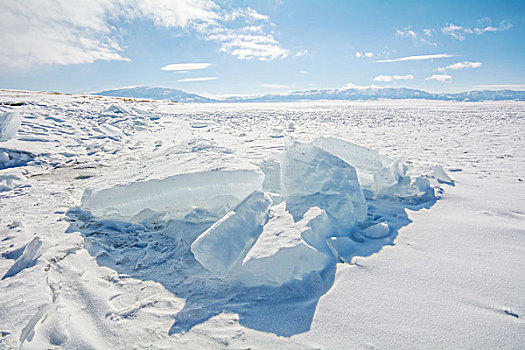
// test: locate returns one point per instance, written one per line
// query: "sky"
(235, 47)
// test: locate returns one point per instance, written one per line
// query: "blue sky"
(261, 46)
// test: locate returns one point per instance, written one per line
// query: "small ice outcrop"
(391, 175)
(312, 177)
(215, 191)
(116, 110)
(393, 181)
(13, 158)
(199, 124)
(276, 133)
(227, 241)
(110, 130)
(10, 122)
(28, 258)
(11, 179)
(441, 176)
(380, 230)
(287, 250)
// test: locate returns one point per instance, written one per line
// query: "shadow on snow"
(160, 252)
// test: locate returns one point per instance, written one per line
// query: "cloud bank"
(460, 33)
(390, 78)
(460, 65)
(66, 32)
(439, 77)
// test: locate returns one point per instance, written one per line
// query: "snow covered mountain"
(384, 93)
(155, 93)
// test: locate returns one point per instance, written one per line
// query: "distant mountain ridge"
(155, 93)
(385, 93)
(328, 94)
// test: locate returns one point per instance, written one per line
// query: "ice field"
(335, 225)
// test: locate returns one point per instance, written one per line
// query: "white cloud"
(246, 13)
(350, 86)
(240, 42)
(184, 67)
(197, 79)
(367, 54)
(247, 47)
(71, 32)
(520, 87)
(419, 58)
(460, 65)
(454, 31)
(56, 32)
(275, 86)
(439, 77)
(459, 32)
(303, 71)
(390, 78)
(253, 29)
(409, 33)
(172, 14)
(301, 53)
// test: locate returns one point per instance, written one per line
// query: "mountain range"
(372, 93)
(155, 93)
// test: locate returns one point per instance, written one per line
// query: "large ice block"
(215, 191)
(312, 177)
(227, 242)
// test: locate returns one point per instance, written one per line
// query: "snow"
(9, 124)
(448, 273)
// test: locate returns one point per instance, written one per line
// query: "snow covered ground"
(100, 210)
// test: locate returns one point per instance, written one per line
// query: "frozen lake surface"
(97, 253)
